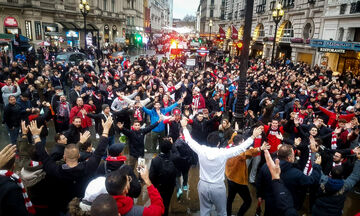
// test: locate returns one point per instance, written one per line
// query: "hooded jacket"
(125, 204)
(332, 193)
(154, 117)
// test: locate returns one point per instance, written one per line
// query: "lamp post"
(210, 25)
(277, 14)
(85, 9)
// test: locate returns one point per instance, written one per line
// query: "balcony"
(47, 4)
(285, 40)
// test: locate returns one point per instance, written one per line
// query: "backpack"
(168, 172)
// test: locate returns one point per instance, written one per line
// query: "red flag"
(222, 33)
(234, 35)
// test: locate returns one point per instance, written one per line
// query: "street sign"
(202, 51)
(190, 62)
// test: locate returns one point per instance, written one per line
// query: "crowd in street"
(299, 137)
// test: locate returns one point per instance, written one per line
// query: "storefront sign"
(38, 33)
(10, 22)
(330, 50)
(28, 30)
(335, 44)
(13, 31)
(72, 34)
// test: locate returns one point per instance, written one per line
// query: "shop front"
(72, 38)
(52, 34)
(257, 50)
(11, 26)
(340, 56)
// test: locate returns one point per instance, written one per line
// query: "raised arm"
(196, 147)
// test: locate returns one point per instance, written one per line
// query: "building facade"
(160, 15)
(61, 23)
(213, 10)
(339, 44)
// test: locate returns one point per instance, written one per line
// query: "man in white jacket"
(212, 160)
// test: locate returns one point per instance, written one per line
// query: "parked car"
(71, 58)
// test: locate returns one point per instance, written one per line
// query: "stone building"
(60, 22)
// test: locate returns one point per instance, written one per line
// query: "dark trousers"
(244, 193)
(166, 194)
(14, 133)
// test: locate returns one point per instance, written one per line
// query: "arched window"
(288, 30)
(308, 31)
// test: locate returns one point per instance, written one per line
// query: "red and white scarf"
(308, 167)
(138, 115)
(35, 163)
(333, 140)
(29, 206)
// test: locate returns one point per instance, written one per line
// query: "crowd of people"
(303, 118)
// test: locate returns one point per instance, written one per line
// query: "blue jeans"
(14, 133)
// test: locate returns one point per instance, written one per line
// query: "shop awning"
(69, 25)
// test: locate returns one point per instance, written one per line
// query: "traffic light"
(138, 38)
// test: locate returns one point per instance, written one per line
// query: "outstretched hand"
(184, 122)
(7, 154)
(273, 167)
(120, 125)
(24, 128)
(107, 125)
(84, 136)
(34, 129)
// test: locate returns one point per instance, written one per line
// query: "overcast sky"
(184, 7)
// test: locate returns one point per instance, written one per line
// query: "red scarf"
(116, 159)
(29, 206)
(120, 99)
(33, 117)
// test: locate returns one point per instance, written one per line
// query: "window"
(271, 29)
(308, 31)
(288, 30)
(105, 4)
(261, 31)
(343, 8)
(128, 20)
(341, 34)
(132, 4)
(211, 13)
(28, 30)
(212, 2)
(132, 20)
(113, 5)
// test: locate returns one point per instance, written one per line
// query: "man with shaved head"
(71, 178)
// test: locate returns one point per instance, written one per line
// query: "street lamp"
(210, 25)
(277, 14)
(85, 9)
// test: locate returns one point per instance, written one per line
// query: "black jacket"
(57, 152)
(12, 115)
(162, 172)
(73, 96)
(200, 130)
(136, 139)
(283, 199)
(71, 182)
(11, 198)
(73, 134)
(293, 178)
